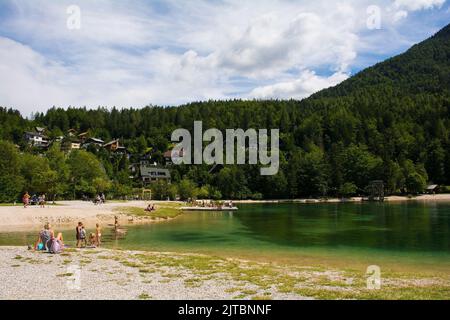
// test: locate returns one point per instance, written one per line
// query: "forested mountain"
(390, 122)
(424, 68)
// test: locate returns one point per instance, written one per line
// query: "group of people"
(95, 238)
(99, 199)
(150, 208)
(40, 200)
(51, 242)
(212, 204)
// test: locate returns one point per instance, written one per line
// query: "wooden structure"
(146, 194)
(376, 190)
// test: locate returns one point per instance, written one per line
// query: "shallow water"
(413, 232)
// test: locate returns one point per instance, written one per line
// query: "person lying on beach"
(46, 238)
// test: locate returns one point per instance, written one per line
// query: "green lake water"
(414, 232)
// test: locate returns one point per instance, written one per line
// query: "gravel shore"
(107, 274)
(130, 275)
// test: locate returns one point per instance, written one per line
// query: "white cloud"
(306, 84)
(400, 15)
(141, 53)
(414, 5)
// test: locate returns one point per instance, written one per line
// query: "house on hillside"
(112, 145)
(168, 156)
(37, 138)
(151, 173)
(115, 147)
(69, 144)
(83, 136)
(40, 130)
(71, 132)
(95, 142)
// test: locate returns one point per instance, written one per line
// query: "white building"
(37, 139)
(151, 173)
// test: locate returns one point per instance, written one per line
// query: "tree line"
(390, 122)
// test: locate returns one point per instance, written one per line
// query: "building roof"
(154, 171)
(432, 186)
(168, 154)
(96, 140)
(36, 134)
(111, 143)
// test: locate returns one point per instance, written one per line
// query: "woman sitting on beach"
(47, 240)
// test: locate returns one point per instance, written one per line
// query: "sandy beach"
(68, 213)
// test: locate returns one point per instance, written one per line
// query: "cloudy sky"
(168, 52)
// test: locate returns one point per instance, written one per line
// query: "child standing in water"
(83, 236)
(98, 234)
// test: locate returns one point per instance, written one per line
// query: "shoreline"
(68, 213)
(426, 197)
(78, 274)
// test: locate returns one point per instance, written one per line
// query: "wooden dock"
(209, 209)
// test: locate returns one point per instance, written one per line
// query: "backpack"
(45, 238)
(83, 234)
(55, 247)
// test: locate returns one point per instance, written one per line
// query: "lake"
(404, 232)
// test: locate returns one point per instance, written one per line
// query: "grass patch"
(163, 211)
(193, 283)
(65, 275)
(260, 298)
(144, 296)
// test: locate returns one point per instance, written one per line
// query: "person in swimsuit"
(98, 235)
(78, 234)
(26, 199)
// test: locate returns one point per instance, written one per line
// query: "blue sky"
(136, 53)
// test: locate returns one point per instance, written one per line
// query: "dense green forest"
(390, 122)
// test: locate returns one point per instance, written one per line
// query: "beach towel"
(45, 238)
